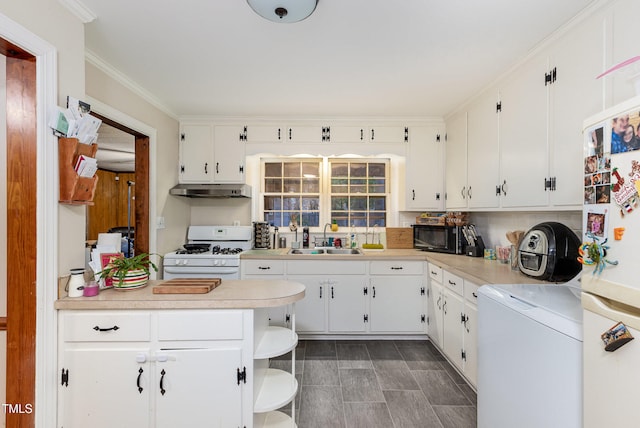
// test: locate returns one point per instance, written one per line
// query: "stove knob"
(216, 262)
(223, 262)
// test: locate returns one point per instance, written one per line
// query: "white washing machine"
(529, 356)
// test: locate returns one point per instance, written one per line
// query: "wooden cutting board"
(399, 237)
(187, 286)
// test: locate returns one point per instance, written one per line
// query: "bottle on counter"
(305, 237)
(353, 242)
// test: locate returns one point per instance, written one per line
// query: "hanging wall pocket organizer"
(75, 189)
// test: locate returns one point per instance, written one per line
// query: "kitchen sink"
(334, 251)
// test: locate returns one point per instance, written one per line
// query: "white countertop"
(475, 269)
(231, 294)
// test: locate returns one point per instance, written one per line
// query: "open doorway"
(125, 205)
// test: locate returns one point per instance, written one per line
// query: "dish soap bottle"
(353, 243)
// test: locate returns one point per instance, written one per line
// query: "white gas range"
(210, 252)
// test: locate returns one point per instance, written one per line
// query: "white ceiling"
(354, 58)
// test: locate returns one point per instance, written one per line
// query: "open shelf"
(274, 342)
(278, 389)
(278, 420)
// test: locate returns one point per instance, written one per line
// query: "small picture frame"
(105, 259)
(615, 337)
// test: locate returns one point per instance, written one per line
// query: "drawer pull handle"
(474, 294)
(264, 267)
(396, 267)
(114, 328)
(434, 273)
(140, 389)
(162, 390)
(452, 282)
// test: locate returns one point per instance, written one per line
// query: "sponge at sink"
(372, 246)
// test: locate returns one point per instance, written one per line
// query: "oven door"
(223, 273)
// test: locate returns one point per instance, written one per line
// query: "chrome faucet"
(324, 235)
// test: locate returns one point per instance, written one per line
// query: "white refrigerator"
(611, 273)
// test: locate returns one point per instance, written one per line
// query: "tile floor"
(378, 384)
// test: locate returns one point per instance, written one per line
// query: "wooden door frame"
(22, 236)
(141, 188)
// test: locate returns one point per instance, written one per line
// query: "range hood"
(212, 190)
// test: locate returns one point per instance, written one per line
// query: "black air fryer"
(549, 251)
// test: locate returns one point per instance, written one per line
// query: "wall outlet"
(160, 223)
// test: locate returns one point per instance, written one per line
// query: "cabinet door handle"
(162, 390)
(438, 302)
(114, 328)
(321, 292)
(373, 133)
(332, 292)
(140, 389)
(444, 307)
(374, 292)
(413, 194)
(217, 167)
(469, 192)
(504, 188)
(462, 192)
(206, 168)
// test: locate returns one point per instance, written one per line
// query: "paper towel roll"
(110, 239)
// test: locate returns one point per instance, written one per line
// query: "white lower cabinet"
(397, 296)
(347, 303)
(168, 368)
(435, 303)
(453, 318)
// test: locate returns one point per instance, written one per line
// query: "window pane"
(311, 169)
(341, 218)
(358, 185)
(291, 169)
(273, 185)
(377, 203)
(358, 169)
(291, 185)
(340, 203)
(339, 169)
(311, 185)
(310, 204)
(358, 203)
(377, 219)
(377, 185)
(311, 219)
(291, 203)
(358, 219)
(273, 169)
(273, 218)
(377, 170)
(272, 203)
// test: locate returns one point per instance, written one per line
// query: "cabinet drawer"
(200, 325)
(453, 282)
(435, 272)
(106, 326)
(262, 267)
(326, 267)
(471, 291)
(396, 268)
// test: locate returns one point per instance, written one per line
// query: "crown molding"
(79, 10)
(125, 81)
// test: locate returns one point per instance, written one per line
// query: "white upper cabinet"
(456, 163)
(348, 134)
(483, 152)
(305, 134)
(196, 153)
(575, 95)
(625, 14)
(229, 154)
(425, 176)
(265, 133)
(524, 156)
(212, 154)
(388, 134)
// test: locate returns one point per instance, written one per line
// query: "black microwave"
(440, 239)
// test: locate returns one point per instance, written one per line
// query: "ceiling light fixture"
(283, 10)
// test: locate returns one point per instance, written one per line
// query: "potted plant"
(131, 272)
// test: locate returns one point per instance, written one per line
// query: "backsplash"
(493, 226)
